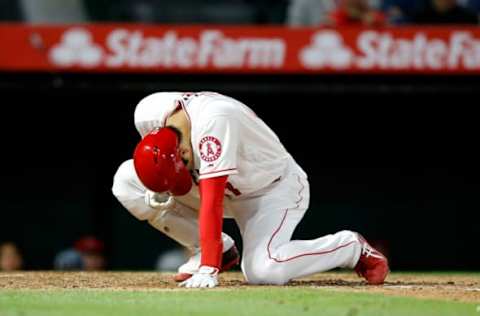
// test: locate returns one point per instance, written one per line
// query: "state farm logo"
(326, 49)
(207, 48)
(385, 50)
(76, 48)
(214, 49)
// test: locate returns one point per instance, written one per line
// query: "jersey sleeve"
(217, 146)
(212, 192)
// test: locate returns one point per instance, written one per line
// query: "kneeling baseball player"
(205, 156)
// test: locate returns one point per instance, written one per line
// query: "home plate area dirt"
(444, 286)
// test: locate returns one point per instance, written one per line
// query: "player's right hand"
(159, 201)
(206, 277)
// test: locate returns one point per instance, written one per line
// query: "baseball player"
(205, 156)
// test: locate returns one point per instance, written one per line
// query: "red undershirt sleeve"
(212, 191)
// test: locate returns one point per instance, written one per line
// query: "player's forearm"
(212, 192)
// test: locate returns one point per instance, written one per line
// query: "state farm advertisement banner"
(224, 49)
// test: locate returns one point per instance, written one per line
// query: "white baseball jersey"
(227, 138)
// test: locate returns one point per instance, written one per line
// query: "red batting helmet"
(159, 165)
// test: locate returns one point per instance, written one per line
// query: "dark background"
(392, 157)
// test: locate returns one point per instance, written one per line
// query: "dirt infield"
(457, 287)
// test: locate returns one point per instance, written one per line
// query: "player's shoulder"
(215, 104)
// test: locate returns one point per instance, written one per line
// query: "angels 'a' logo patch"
(210, 148)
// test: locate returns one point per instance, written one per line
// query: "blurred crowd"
(291, 12)
(10, 257)
(387, 12)
(86, 254)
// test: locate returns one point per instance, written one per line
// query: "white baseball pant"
(267, 222)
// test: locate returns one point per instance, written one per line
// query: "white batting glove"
(206, 277)
(159, 201)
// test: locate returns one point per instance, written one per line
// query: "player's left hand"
(206, 277)
(159, 201)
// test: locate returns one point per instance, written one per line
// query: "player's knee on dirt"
(266, 274)
(263, 271)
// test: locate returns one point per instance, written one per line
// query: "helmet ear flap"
(183, 183)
